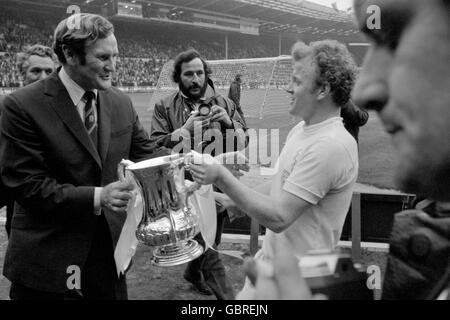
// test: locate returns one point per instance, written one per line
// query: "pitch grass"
(376, 156)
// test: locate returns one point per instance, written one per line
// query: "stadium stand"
(145, 48)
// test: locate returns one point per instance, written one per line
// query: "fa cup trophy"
(168, 221)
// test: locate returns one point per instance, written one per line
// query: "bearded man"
(179, 117)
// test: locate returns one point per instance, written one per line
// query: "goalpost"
(263, 87)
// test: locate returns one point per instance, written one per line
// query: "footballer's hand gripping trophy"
(168, 221)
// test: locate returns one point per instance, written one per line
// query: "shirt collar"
(76, 92)
(320, 125)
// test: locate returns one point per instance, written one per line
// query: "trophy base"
(173, 255)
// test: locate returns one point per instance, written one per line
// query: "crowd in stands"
(143, 49)
(9, 76)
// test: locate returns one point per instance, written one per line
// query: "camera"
(204, 109)
(334, 275)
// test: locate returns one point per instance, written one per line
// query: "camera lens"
(204, 109)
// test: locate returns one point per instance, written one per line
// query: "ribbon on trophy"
(127, 243)
(203, 201)
(204, 197)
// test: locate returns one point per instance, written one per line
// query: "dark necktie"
(89, 117)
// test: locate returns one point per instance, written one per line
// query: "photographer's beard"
(194, 96)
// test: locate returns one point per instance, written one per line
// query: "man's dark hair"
(78, 32)
(184, 57)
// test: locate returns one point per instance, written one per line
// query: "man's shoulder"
(337, 144)
(168, 100)
(339, 133)
(2, 98)
(32, 88)
(223, 101)
(32, 91)
(337, 137)
(325, 141)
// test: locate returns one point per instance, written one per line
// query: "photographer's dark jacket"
(172, 112)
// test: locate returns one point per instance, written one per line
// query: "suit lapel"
(104, 123)
(64, 107)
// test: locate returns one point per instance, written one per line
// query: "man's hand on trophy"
(206, 170)
(203, 167)
(235, 162)
(205, 173)
(194, 157)
(116, 195)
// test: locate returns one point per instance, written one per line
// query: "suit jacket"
(5, 197)
(50, 164)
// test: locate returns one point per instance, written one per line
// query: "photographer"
(181, 116)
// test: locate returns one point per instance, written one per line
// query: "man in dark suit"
(35, 64)
(61, 140)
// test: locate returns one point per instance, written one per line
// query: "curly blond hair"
(335, 66)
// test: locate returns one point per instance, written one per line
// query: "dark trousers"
(6, 200)
(211, 267)
(9, 214)
(99, 279)
(239, 110)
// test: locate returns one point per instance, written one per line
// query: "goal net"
(263, 87)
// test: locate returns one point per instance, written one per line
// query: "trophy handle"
(121, 168)
(193, 187)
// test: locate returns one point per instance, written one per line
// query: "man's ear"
(323, 91)
(69, 55)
